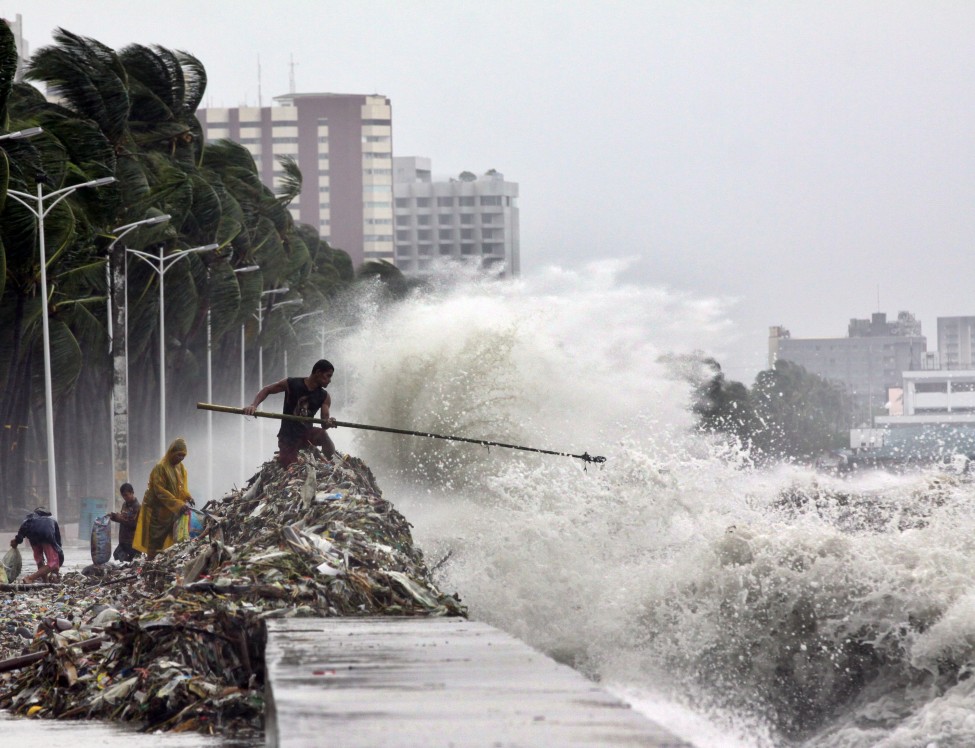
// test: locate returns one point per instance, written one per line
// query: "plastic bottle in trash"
(322, 497)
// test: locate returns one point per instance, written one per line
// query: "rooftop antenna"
(291, 77)
(260, 97)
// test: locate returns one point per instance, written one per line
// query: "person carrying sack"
(44, 534)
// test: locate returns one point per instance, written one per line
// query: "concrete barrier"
(433, 682)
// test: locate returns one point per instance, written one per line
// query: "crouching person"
(44, 534)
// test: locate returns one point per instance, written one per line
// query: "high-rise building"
(467, 218)
(23, 49)
(343, 144)
(956, 342)
(867, 363)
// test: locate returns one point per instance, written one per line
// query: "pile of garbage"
(178, 643)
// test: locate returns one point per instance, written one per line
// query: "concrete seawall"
(433, 682)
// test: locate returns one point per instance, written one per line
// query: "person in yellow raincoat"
(166, 498)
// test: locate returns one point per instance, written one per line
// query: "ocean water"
(736, 606)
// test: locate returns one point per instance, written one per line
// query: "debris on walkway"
(178, 643)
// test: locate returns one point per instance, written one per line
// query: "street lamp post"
(160, 264)
(118, 347)
(247, 269)
(260, 349)
(28, 133)
(40, 211)
(243, 390)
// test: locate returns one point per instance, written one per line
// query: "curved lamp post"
(118, 347)
(38, 208)
(243, 391)
(246, 269)
(28, 133)
(160, 264)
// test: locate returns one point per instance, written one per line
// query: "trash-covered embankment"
(178, 643)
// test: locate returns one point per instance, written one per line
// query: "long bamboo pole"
(585, 456)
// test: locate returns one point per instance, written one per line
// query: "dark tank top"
(300, 401)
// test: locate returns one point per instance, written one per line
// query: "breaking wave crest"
(783, 607)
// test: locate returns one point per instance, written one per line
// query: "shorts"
(46, 554)
(288, 446)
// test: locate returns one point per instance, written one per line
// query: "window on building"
(445, 219)
(467, 249)
(403, 236)
(467, 233)
(376, 122)
(487, 218)
(426, 249)
(446, 249)
(323, 189)
(466, 201)
(377, 237)
(931, 387)
(423, 202)
(445, 202)
(375, 138)
(376, 188)
(379, 172)
(281, 123)
(402, 220)
(490, 199)
(445, 234)
(378, 204)
(379, 221)
(402, 202)
(324, 206)
(424, 235)
(963, 386)
(466, 218)
(278, 139)
(423, 220)
(323, 138)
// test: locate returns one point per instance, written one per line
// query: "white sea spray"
(781, 606)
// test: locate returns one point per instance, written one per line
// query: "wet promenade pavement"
(433, 682)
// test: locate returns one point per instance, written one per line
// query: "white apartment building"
(956, 342)
(23, 49)
(343, 144)
(934, 397)
(468, 218)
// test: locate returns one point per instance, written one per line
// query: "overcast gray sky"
(796, 158)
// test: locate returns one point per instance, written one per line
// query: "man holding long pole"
(303, 396)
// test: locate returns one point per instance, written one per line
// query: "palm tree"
(132, 114)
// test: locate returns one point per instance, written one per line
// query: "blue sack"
(197, 523)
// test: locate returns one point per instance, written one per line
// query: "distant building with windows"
(343, 144)
(23, 49)
(868, 363)
(469, 218)
(956, 342)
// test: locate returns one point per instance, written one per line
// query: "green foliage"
(132, 115)
(789, 413)
(8, 68)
